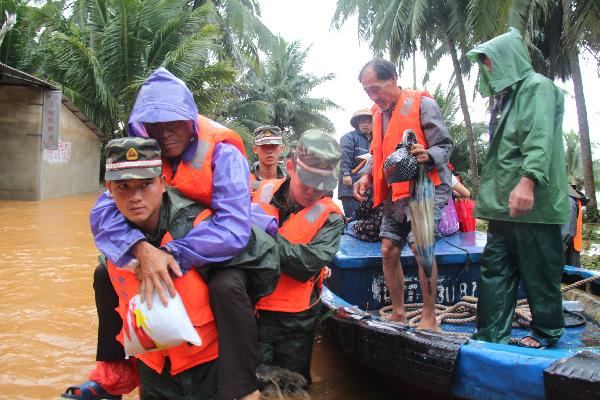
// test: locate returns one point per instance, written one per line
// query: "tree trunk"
(414, 65)
(584, 130)
(465, 109)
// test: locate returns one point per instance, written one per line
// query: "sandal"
(543, 342)
(89, 390)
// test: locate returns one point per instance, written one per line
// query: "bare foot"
(396, 317)
(429, 323)
(252, 396)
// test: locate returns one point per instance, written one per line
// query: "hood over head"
(162, 98)
(510, 62)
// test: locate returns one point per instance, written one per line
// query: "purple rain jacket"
(162, 98)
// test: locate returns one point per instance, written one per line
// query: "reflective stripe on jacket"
(192, 177)
(292, 295)
(194, 294)
(406, 115)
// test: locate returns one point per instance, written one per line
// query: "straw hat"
(365, 112)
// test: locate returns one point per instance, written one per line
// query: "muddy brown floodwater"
(48, 319)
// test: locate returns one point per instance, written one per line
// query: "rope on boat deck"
(465, 310)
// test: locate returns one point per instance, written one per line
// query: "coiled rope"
(465, 311)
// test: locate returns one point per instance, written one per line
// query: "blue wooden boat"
(446, 363)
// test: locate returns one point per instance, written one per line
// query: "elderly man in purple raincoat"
(165, 110)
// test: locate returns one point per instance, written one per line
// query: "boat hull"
(445, 363)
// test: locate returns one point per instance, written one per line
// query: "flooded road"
(47, 313)
(48, 319)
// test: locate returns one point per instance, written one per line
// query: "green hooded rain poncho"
(527, 140)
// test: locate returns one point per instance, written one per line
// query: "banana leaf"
(422, 207)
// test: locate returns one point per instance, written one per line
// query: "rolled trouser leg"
(109, 320)
(498, 286)
(540, 260)
(237, 332)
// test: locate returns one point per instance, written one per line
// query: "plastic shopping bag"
(159, 328)
(464, 210)
(449, 222)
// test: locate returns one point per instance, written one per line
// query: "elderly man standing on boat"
(522, 194)
(397, 110)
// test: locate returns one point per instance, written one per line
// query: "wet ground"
(48, 319)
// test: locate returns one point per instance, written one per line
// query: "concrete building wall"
(20, 141)
(75, 167)
(27, 171)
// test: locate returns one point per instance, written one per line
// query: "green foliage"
(277, 92)
(436, 28)
(481, 225)
(590, 262)
(596, 168)
(591, 215)
(573, 158)
(591, 238)
(591, 232)
(449, 105)
(100, 51)
(20, 47)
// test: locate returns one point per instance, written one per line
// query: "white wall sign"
(51, 119)
(61, 155)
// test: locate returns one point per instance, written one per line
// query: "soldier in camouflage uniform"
(133, 169)
(268, 146)
(286, 337)
(133, 176)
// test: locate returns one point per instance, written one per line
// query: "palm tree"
(19, 47)
(9, 22)
(437, 27)
(449, 105)
(243, 34)
(277, 92)
(573, 157)
(554, 32)
(582, 20)
(103, 51)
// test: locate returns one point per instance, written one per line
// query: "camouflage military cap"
(268, 134)
(317, 159)
(132, 158)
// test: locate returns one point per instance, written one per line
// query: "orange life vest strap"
(578, 239)
(264, 194)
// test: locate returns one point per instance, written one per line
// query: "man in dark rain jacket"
(522, 194)
(353, 144)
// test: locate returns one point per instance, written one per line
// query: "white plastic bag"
(159, 328)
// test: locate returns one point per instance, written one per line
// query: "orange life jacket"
(194, 294)
(291, 295)
(253, 184)
(578, 239)
(194, 178)
(406, 115)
